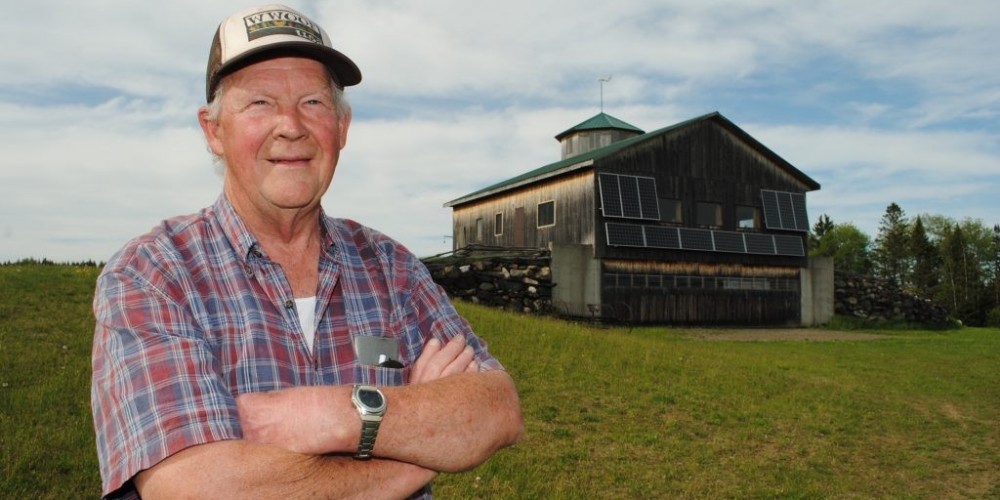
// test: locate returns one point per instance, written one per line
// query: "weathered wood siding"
(704, 162)
(574, 215)
(696, 293)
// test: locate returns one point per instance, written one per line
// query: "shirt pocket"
(382, 376)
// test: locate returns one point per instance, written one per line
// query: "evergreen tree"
(823, 226)
(961, 287)
(996, 267)
(892, 252)
(926, 261)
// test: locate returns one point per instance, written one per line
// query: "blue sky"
(879, 101)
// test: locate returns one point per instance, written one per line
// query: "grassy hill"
(609, 413)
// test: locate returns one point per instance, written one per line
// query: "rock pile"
(512, 279)
(878, 300)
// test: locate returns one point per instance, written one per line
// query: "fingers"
(437, 361)
(473, 367)
(419, 373)
(461, 362)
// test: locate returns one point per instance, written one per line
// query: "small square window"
(747, 218)
(709, 214)
(547, 213)
(498, 224)
(671, 211)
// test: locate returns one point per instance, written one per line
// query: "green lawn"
(609, 413)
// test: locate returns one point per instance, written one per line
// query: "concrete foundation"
(817, 291)
(577, 275)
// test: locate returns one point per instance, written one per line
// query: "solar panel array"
(684, 238)
(783, 210)
(629, 197)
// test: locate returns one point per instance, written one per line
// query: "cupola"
(595, 133)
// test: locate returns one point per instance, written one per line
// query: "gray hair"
(214, 108)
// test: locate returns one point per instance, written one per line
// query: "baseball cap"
(258, 33)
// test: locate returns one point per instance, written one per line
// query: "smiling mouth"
(290, 162)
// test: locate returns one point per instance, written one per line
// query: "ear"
(345, 123)
(212, 130)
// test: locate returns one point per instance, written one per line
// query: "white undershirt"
(307, 318)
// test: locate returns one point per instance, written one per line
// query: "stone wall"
(512, 279)
(877, 300)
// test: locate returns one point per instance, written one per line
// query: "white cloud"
(878, 100)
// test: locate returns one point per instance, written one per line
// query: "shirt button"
(289, 304)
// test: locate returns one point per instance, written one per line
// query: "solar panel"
(685, 238)
(783, 210)
(631, 206)
(629, 197)
(696, 239)
(728, 241)
(789, 245)
(662, 237)
(772, 218)
(759, 244)
(625, 235)
(799, 209)
(648, 199)
(611, 201)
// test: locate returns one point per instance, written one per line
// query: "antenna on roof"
(603, 81)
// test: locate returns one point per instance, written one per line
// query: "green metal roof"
(601, 121)
(587, 159)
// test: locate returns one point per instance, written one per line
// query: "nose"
(290, 125)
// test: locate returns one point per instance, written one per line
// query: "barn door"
(519, 220)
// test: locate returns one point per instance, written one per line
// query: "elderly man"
(260, 348)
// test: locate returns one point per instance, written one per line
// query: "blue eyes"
(266, 103)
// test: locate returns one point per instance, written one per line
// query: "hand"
(437, 361)
(300, 419)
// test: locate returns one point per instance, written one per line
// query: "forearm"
(240, 469)
(451, 424)
(451, 417)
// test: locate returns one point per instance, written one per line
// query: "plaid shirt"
(194, 313)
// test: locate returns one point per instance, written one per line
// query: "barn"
(697, 223)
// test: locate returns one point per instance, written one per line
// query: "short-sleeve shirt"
(194, 313)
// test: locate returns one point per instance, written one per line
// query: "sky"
(879, 101)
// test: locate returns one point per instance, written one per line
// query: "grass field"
(609, 413)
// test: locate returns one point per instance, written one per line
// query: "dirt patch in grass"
(773, 334)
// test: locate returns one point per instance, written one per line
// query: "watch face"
(371, 399)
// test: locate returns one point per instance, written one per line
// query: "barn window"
(479, 229)
(498, 224)
(671, 211)
(709, 214)
(747, 218)
(547, 213)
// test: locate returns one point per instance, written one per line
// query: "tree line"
(955, 264)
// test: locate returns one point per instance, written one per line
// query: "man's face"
(278, 133)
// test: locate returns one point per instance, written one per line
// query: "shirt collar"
(240, 238)
(246, 244)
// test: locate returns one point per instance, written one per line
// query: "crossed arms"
(299, 441)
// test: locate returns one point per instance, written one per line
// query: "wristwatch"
(371, 406)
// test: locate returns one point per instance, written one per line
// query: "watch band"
(369, 430)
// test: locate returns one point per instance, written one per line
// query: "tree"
(926, 261)
(961, 287)
(996, 269)
(892, 253)
(823, 225)
(849, 247)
